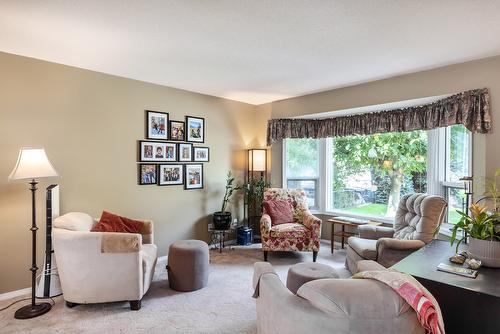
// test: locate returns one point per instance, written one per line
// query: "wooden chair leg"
(315, 255)
(70, 304)
(265, 256)
(135, 305)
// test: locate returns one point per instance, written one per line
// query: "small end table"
(218, 237)
(347, 221)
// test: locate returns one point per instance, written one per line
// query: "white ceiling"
(252, 51)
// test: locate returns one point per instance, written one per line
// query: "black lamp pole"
(33, 310)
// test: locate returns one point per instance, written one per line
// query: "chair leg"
(135, 305)
(70, 304)
(265, 256)
(315, 255)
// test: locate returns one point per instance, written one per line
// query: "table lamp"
(32, 164)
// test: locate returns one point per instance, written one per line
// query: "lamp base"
(29, 311)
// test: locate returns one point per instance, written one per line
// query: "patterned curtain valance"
(470, 108)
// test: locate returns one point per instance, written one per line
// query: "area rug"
(224, 306)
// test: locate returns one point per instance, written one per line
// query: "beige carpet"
(224, 306)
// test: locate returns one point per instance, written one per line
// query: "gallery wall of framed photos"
(170, 155)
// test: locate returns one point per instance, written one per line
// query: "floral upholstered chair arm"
(265, 225)
(313, 223)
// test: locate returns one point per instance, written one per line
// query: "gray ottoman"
(188, 265)
(301, 273)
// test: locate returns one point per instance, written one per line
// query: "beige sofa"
(331, 306)
(417, 218)
(97, 267)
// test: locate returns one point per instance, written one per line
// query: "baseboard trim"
(14, 294)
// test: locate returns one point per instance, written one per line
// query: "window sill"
(445, 230)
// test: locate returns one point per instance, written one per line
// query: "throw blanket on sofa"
(414, 293)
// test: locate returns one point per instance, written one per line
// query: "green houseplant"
(222, 218)
(483, 230)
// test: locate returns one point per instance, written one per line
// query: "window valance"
(470, 108)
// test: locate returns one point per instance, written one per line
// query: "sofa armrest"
(369, 265)
(90, 275)
(313, 223)
(147, 232)
(259, 269)
(390, 251)
(375, 232)
(265, 226)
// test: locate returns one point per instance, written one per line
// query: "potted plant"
(483, 230)
(222, 218)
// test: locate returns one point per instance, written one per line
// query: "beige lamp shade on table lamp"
(32, 163)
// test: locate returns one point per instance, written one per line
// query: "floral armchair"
(301, 235)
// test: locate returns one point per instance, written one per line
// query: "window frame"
(437, 182)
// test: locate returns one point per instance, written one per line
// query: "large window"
(365, 176)
(369, 174)
(302, 167)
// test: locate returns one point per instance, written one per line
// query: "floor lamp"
(32, 164)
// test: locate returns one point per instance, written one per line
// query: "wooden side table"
(347, 221)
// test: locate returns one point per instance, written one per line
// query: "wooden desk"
(468, 305)
(347, 221)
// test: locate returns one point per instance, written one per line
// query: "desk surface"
(423, 263)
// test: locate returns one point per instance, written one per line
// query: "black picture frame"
(161, 170)
(201, 148)
(187, 185)
(150, 115)
(190, 137)
(170, 128)
(141, 181)
(180, 152)
(147, 149)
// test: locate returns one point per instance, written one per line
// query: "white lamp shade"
(32, 163)
(257, 160)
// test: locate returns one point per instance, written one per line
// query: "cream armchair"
(99, 267)
(331, 306)
(417, 218)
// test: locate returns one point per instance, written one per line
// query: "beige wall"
(89, 124)
(444, 80)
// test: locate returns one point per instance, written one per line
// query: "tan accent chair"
(417, 218)
(329, 306)
(101, 267)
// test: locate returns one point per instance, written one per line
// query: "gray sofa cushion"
(354, 298)
(366, 248)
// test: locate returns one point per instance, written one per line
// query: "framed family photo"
(170, 175)
(195, 129)
(148, 174)
(185, 152)
(194, 176)
(201, 154)
(156, 125)
(177, 130)
(157, 151)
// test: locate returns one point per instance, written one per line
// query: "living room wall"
(436, 82)
(89, 124)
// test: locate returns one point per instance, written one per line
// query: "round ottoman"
(188, 265)
(301, 273)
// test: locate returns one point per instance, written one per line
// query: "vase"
(487, 251)
(222, 220)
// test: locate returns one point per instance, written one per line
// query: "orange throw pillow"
(113, 223)
(280, 211)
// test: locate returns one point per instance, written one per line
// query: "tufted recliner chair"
(417, 218)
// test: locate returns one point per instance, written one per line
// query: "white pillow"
(74, 221)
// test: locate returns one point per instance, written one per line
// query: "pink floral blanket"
(414, 293)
